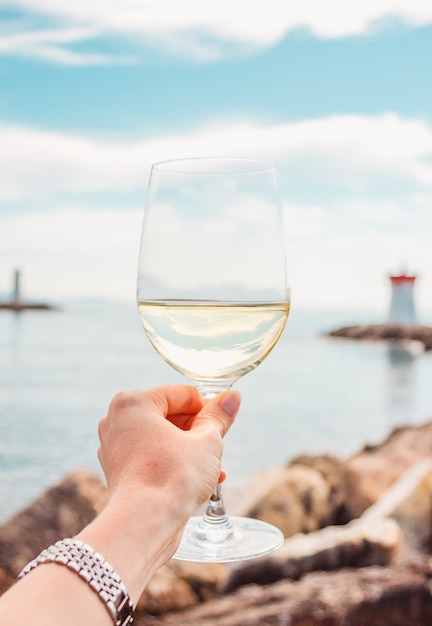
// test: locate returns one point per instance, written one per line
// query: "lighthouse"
(17, 290)
(402, 308)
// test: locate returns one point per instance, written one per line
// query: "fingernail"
(230, 402)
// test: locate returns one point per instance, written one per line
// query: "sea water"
(313, 394)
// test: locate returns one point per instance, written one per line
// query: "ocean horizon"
(312, 395)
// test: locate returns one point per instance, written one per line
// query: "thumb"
(220, 411)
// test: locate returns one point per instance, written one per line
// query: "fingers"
(176, 400)
(170, 401)
(219, 411)
(222, 476)
(182, 405)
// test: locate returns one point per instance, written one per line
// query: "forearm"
(137, 540)
(136, 534)
(52, 595)
(160, 452)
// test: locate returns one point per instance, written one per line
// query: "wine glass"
(213, 299)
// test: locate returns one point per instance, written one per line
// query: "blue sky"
(340, 95)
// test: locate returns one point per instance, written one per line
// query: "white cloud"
(206, 30)
(341, 245)
(348, 149)
(76, 252)
(49, 44)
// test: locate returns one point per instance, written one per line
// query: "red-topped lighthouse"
(402, 308)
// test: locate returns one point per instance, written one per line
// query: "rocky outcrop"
(396, 529)
(313, 492)
(372, 471)
(62, 511)
(358, 544)
(370, 596)
(296, 498)
(358, 539)
(394, 333)
(167, 592)
(409, 503)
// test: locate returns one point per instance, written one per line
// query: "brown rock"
(166, 592)
(294, 498)
(409, 502)
(372, 471)
(60, 512)
(332, 470)
(6, 581)
(360, 543)
(371, 596)
(393, 333)
(203, 578)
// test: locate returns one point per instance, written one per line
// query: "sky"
(337, 92)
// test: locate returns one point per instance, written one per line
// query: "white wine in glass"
(213, 298)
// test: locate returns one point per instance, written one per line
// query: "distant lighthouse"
(17, 288)
(402, 308)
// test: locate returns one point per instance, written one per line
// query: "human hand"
(161, 454)
(166, 438)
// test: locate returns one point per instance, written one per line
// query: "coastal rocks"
(396, 528)
(166, 592)
(394, 333)
(204, 578)
(358, 544)
(409, 503)
(374, 469)
(294, 498)
(333, 569)
(179, 585)
(333, 472)
(358, 482)
(62, 511)
(372, 596)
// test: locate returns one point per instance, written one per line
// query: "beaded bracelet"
(94, 570)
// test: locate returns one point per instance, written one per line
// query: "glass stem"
(215, 513)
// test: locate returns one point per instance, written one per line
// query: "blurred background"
(91, 93)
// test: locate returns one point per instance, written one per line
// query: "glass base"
(239, 539)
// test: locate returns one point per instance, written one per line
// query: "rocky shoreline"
(393, 333)
(358, 547)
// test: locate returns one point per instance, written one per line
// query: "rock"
(302, 498)
(357, 544)
(6, 581)
(294, 498)
(409, 502)
(394, 333)
(332, 470)
(312, 492)
(61, 511)
(166, 592)
(374, 538)
(372, 471)
(372, 596)
(203, 578)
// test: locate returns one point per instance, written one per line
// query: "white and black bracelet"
(94, 570)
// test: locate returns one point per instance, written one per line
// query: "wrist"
(137, 532)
